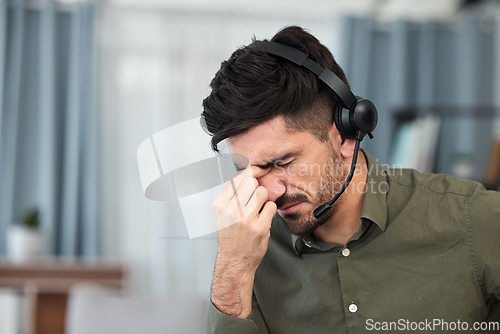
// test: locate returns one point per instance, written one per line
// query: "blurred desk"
(45, 284)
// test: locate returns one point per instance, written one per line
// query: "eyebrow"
(273, 161)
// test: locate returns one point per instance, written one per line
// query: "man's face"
(301, 171)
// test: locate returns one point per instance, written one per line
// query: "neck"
(347, 215)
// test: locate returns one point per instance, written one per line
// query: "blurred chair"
(97, 310)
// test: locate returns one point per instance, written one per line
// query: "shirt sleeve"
(220, 323)
(484, 215)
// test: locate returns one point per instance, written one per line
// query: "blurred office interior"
(84, 82)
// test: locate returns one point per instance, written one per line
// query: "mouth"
(289, 208)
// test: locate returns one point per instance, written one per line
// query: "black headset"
(354, 116)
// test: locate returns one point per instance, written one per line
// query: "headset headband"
(324, 74)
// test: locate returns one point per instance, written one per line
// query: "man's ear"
(347, 149)
(343, 146)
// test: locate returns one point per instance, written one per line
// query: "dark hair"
(253, 87)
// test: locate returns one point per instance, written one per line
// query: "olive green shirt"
(425, 259)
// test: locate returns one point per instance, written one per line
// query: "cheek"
(304, 179)
(303, 171)
(313, 172)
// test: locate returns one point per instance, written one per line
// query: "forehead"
(270, 140)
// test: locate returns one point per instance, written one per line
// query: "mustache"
(287, 199)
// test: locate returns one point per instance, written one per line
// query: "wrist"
(232, 289)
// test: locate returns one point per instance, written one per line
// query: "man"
(398, 251)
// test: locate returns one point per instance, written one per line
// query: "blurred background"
(83, 83)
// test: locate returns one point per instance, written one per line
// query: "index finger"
(231, 188)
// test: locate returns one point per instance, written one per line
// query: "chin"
(302, 225)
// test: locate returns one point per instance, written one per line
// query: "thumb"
(268, 211)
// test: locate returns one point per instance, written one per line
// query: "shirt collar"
(377, 187)
(374, 208)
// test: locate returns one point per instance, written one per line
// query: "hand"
(244, 217)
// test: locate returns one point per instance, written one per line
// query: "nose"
(274, 184)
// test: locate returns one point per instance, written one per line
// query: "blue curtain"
(48, 122)
(445, 66)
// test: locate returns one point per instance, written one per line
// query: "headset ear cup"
(341, 118)
(365, 116)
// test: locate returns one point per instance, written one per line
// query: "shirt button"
(346, 252)
(353, 308)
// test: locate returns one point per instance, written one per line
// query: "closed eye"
(285, 164)
(275, 164)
